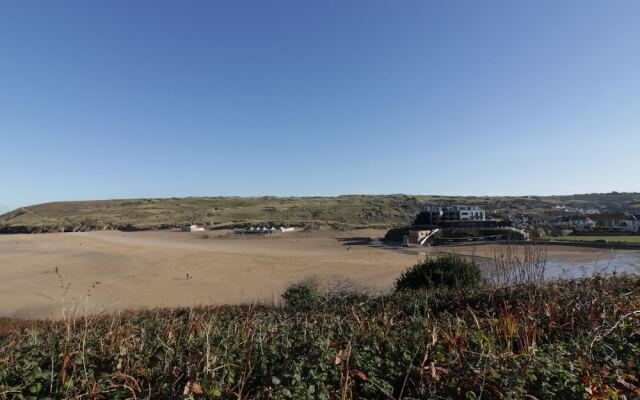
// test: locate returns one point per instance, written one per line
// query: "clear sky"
(120, 99)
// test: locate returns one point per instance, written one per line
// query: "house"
(540, 221)
(192, 228)
(578, 222)
(254, 230)
(430, 215)
(631, 223)
(463, 213)
(262, 230)
(520, 219)
(415, 236)
(608, 220)
(433, 215)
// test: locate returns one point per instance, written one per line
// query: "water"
(617, 261)
(563, 266)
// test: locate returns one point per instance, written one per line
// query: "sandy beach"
(113, 270)
(40, 275)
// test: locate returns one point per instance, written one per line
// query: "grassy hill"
(343, 211)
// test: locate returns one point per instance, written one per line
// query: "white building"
(579, 222)
(192, 228)
(463, 213)
(433, 215)
(631, 223)
(520, 219)
(262, 230)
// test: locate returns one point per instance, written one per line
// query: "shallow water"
(620, 262)
(568, 265)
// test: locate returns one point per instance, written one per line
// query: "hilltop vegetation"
(352, 211)
(566, 340)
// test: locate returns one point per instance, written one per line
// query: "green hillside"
(350, 211)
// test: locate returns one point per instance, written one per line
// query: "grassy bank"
(569, 340)
(350, 211)
(608, 239)
(342, 211)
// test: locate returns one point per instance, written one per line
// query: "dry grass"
(565, 339)
(608, 239)
(517, 265)
(342, 211)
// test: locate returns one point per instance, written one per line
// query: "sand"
(112, 271)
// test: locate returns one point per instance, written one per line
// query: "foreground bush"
(302, 295)
(446, 270)
(565, 340)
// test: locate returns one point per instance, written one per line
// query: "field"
(345, 212)
(609, 239)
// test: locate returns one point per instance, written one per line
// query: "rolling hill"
(349, 211)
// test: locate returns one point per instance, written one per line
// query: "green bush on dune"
(302, 295)
(447, 270)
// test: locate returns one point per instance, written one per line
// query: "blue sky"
(121, 99)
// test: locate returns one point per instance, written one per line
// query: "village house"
(608, 220)
(540, 221)
(520, 219)
(262, 230)
(417, 236)
(577, 222)
(632, 223)
(192, 228)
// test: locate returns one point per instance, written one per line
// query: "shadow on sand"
(364, 241)
(355, 241)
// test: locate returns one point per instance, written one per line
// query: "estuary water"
(616, 261)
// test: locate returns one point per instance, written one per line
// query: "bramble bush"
(303, 295)
(447, 270)
(564, 339)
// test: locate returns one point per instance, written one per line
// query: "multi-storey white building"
(463, 213)
(432, 215)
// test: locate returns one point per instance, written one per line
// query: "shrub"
(562, 339)
(303, 295)
(443, 271)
